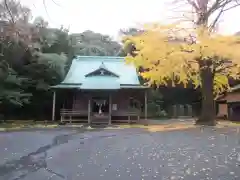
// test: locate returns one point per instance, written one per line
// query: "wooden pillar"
(89, 110)
(230, 112)
(146, 108)
(53, 106)
(110, 110)
(73, 101)
(129, 109)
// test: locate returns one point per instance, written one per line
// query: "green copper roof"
(103, 82)
(125, 74)
(234, 88)
(67, 86)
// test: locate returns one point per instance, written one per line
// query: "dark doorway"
(100, 105)
(235, 112)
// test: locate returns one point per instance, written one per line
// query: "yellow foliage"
(174, 53)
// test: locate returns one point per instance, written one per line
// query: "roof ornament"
(102, 72)
(102, 65)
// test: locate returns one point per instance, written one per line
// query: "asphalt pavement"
(122, 154)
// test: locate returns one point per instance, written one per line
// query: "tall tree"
(24, 68)
(13, 18)
(201, 56)
(90, 43)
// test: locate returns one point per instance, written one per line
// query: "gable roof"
(126, 75)
(101, 71)
(234, 89)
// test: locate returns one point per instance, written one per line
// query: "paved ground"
(128, 154)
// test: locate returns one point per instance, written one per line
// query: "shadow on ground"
(33, 161)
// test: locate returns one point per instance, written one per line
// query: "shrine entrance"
(100, 106)
(100, 109)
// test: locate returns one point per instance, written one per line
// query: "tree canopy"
(167, 56)
(33, 56)
(171, 53)
(195, 54)
(94, 44)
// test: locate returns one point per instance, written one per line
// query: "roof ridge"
(97, 58)
(102, 66)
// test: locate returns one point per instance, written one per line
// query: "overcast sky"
(108, 16)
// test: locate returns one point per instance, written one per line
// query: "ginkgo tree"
(201, 56)
(197, 57)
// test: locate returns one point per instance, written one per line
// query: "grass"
(17, 125)
(228, 123)
(177, 126)
(161, 127)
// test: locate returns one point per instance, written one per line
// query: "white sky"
(108, 16)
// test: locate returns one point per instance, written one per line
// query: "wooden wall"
(121, 98)
(222, 110)
(80, 101)
(232, 97)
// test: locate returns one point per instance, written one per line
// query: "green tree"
(13, 17)
(23, 66)
(90, 43)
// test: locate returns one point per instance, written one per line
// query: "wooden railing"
(128, 114)
(70, 113)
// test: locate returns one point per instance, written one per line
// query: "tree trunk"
(207, 116)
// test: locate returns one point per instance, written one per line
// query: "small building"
(228, 105)
(102, 89)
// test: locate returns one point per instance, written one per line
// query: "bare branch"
(56, 3)
(213, 25)
(204, 12)
(192, 3)
(46, 10)
(236, 5)
(218, 4)
(9, 11)
(45, 7)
